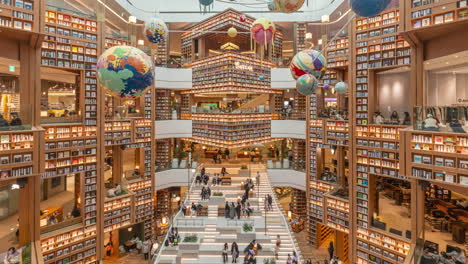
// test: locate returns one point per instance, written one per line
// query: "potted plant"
(244, 171)
(269, 261)
(247, 228)
(192, 238)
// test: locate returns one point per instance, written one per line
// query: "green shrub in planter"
(269, 261)
(191, 238)
(247, 227)
(217, 194)
(26, 254)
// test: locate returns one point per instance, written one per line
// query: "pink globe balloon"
(260, 38)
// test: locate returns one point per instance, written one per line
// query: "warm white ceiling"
(189, 10)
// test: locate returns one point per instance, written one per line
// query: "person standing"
(238, 210)
(234, 252)
(257, 179)
(270, 202)
(109, 248)
(331, 250)
(232, 211)
(277, 246)
(225, 253)
(295, 258)
(289, 260)
(226, 210)
(248, 210)
(193, 210)
(227, 153)
(146, 248)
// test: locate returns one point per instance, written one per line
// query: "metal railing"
(235, 222)
(293, 239)
(190, 222)
(157, 256)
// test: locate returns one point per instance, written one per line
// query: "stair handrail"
(156, 257)
(293, 240)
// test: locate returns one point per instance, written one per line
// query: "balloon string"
(334, 37)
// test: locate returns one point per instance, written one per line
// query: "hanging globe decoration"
(262, 33)
(232, 32)
(326, 86)
(125, 71)
(242, 18)
(272, 5)
(285, 6)
(206, 4)
(156, 30)
(368, 8)
(261, 77)
(308, 61)
(306, 84)
(341, 87)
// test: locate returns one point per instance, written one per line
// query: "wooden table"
(56, 211)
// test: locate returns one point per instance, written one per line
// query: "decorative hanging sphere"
(263, 30)
(272, 5)
(306, 84)
(232, 32)
(125, 71)
(285, 6)
(242, 18)
(156, 30)
(308, 61)
(326, 86)
(206, 5)
(368, 8)
(341, 87)
(261, 77)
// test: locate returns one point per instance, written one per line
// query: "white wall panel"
(173, 129)
(288, 129)
(281, 79)
(168, 78)
(287, 178)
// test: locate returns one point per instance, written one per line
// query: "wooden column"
(340, 157)
(117, 166)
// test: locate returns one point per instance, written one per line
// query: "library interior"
(233, 131)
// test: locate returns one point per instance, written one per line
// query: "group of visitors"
(142, 247)
(173, 236)
(250, 252)
(202, 178)
(195, 209)
(234, 252)
(268, 202)
(15, 121)
(294, 259)
(249, 185)
(205, 193)
(455, 256)
(218, 156)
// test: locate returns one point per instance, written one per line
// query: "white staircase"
(214, 231)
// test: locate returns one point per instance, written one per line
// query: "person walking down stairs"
(234, 252)
(225, 253)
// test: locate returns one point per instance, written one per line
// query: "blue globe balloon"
(326, 86)
(206, 2)
(261, 77)
(368, 8)
(307, 84)
(341, 87)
